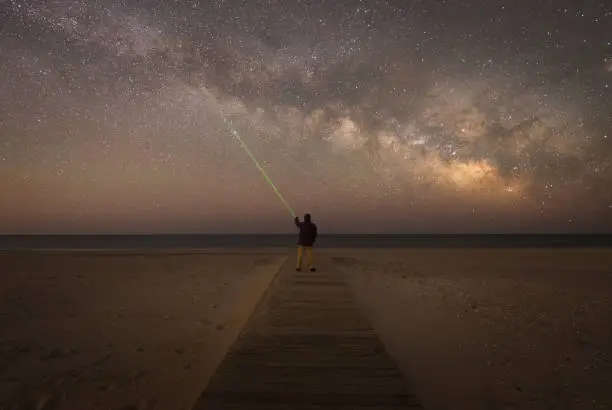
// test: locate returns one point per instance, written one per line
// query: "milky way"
(376, 116)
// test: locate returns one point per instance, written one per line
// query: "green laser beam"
(250, 154)
(260, 168)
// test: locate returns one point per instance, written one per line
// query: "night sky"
(375, 116)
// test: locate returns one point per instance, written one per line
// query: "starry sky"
(381, 116)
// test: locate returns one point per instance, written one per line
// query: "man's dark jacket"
(308, 231)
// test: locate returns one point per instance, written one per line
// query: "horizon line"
(291, 234)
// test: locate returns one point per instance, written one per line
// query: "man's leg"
(300, 252)
(310, 259)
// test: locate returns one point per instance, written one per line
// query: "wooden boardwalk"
(307, 346)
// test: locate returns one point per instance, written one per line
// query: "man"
(306, 239)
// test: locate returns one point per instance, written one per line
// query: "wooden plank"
(307, 346)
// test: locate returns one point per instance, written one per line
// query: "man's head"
(306, 217)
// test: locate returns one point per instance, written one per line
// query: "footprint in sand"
(55, 353)
(59, 353)
(22, 349)
(138, 375)
(142, 405)
(46, 402)
(107, 387)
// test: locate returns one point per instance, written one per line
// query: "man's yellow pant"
(300, 254)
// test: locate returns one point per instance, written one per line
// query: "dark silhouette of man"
(306, 239)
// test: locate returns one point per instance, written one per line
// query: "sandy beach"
(473, 329)
(493, 329)
(121, 331)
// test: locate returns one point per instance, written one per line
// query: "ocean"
(191, 241)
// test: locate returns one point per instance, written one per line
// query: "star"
(161, 112)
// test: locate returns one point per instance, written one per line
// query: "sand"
(493, 329)
(101, 331)
(470, 329)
